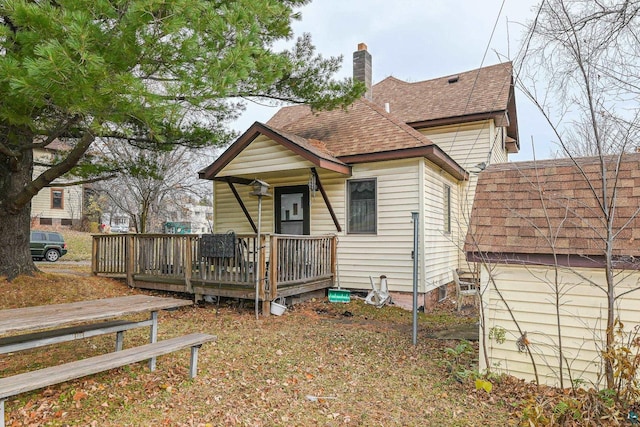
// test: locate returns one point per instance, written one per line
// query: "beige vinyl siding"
(41, 203)
(229, 216)
(468, 144)
(72, 205)
(263, 156)
(529, 292)
(389, 251)
(441, 249)
(499, 154)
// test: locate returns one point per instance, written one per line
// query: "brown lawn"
(311, 366)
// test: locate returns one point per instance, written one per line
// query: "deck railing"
(281, 259)
(300, 258)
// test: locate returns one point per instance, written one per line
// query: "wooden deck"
(219, 265)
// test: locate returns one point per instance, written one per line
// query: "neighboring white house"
(115, 222)
(537, 227)
(359, 173)
(190, 219)
(56, 204)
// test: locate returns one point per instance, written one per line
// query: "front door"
(292, 210)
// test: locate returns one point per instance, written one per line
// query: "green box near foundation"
(339, 295)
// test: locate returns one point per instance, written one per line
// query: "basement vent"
(453, 79)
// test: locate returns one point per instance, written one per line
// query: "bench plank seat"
(39, 339)
(29, 381)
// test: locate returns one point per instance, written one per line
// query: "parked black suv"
(48, 245)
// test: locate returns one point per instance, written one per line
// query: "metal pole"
(256, 266)
(414, 218)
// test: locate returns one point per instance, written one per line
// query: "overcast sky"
(416, 40)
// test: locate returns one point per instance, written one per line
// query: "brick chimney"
(362, 68)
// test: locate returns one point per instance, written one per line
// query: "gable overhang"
(257, 129)
(497, 116)
(433, 153)
(502, 118)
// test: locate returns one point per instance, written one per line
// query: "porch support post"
(94, 255)
(188, 265)
(244, 208)
(334, 259)
(273, 268)
(262, 260)
(131, 259)
(326, 200)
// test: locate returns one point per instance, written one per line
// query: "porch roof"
(314, 151)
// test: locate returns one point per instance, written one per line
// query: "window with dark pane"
(362, 206)
(57, 199)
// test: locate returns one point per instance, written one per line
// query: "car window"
(38, 236)
(55, 237)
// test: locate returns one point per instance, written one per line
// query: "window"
(362, 206)
(442, 292)
(46, 221)
(55, 237)
(447, 209)
(57, 200)
(38, 236)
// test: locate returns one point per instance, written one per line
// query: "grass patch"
(78, 245)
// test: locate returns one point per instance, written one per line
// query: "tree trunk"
(15, 256)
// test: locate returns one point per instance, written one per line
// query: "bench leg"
(193, 367)
(153, 338)
(119, 340)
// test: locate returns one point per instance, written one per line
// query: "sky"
(415, 40)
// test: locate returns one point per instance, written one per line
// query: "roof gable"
(548, 206)
(313, 151)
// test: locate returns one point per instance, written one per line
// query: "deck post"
(188, 266)
(334, 259)
(262, 262)
(130, 258)
(94, 255)
(273, 268)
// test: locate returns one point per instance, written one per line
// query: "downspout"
(422, 215)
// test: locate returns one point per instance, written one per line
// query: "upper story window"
(361, 194)
(57, 198)
(447, 208)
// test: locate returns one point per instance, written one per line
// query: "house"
(115, 222)
(189, 219)
(58, 204)
(537, 228)
(359, 173)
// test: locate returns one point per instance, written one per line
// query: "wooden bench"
(29, 381)
(39, 339)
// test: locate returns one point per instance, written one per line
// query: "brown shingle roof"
(477, 91)
(481, 91)
(361, 128)
(533, 207)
